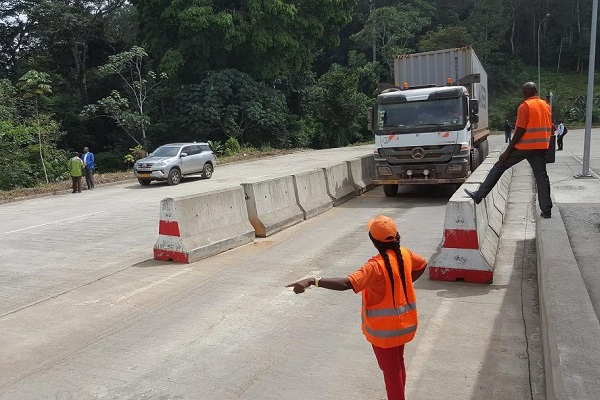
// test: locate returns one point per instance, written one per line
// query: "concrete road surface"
(90, 321)
(51, 245)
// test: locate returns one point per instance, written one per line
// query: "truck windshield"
(421, 116)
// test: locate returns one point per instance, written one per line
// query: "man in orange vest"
(530, 142)
(389, 309)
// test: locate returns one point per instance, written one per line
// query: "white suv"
(171, 162)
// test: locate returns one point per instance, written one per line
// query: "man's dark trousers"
(89, 177)
(537, 160)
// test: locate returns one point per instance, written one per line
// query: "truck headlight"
(452, 168)
(384, 171)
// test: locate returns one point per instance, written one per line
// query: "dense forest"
(123, 76)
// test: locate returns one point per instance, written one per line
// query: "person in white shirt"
(560, 134)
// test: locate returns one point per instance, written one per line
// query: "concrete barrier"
(362, 170)
(569, 325)
(272, 205)
(311, 193)
(472, 231)
(339, 183)
(199, 226)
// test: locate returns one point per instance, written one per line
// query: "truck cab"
(424, 135)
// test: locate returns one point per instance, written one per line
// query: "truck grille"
(419, 154)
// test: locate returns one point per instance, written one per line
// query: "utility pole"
(585, 171)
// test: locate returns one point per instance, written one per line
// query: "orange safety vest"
(539, 126)
(393, 321)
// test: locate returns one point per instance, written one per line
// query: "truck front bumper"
(456, 171)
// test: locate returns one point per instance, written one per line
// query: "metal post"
(539, 82)
(585, 172)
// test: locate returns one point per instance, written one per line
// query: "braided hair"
(382, 247)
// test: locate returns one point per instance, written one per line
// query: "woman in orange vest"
(389, 309)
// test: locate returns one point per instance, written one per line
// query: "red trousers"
(391, 362)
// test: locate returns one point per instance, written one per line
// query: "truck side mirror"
(475, 118)
(473, 106)
(370, 118)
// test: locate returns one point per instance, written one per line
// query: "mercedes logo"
(417, 153)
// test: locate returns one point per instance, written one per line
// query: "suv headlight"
(160, 164)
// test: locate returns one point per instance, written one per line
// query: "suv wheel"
(207, 171)
(144, 182)
(174, 177)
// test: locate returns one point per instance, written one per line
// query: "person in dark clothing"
(507, 131)
(530, 142)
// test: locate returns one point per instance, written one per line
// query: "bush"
(217, 147)
(232, 146)
(110, 161)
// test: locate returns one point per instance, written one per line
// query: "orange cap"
(382, 228)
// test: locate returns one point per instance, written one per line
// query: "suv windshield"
(165, 151)
(422, 115)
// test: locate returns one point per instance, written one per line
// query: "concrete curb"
(311, 192)
(339, 183)
(569, 326)
(272, 205)
(362, 170)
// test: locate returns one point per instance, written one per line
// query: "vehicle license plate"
(143, 175)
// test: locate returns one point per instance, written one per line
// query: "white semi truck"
(431, 127)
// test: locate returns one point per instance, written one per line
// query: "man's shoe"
(546, 214)
(473, 196)
(73, 191)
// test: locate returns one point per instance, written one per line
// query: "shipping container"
(437, 67)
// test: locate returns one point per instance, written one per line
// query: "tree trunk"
(39, 132)
(559, 53)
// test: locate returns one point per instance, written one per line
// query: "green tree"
(72, 32)
(269, 39)
(139, 82)
(446, 38)
(230, 104)
(22, 128)
(35, 85)
(336, 108)
(393, 29)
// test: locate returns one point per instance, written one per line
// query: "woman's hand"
(301, 285)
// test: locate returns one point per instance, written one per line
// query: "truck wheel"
(474, 159)
(174, 177)
(484, 149)
(144, 182)
(390, 190)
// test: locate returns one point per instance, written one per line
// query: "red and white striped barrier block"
(472, 231)
(169, 246)
(460, 256)
(199, 226)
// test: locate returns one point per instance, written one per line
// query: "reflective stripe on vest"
(393, 321)
(392, 333)
(386, 312)
(539, 126)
